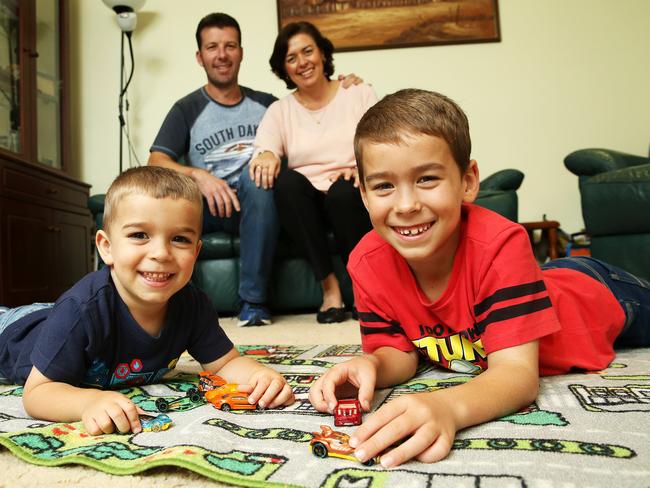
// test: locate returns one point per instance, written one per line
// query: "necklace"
(317, 115)
(317, 108)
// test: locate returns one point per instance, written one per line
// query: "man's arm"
(158, 158)
(220, 197)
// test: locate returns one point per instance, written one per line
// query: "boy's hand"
(268, 389)
(110, 410)
(361, 372)
(424, 419)
(265, 386)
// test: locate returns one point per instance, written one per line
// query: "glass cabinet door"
(48, 83)
(10, 123)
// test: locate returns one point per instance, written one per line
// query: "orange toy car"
(228, 398)
(222, 395)
(209, 381)
(331, 443)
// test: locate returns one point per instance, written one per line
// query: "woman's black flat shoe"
(332, 315)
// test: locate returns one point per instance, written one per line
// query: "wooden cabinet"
(45, 233)
(45, 225)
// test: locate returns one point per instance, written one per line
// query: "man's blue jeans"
(258, 228)
(632, 292)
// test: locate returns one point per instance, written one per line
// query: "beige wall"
(568, 74)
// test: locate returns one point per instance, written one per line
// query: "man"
(213, 129)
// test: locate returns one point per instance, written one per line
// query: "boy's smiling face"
(151, 246)
(413, 192)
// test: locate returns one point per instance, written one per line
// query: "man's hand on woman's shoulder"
(349, 80)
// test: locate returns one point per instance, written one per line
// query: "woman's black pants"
(307, 214)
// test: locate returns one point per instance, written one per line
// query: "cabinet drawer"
(31, 186)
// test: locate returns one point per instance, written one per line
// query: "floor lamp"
(127, 18)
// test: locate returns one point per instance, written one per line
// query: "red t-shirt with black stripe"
(497, 297)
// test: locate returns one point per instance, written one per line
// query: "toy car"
(181, 403)
(347, 412)
(155, 424)
(227, 397)
(209, 381)
(331, 443)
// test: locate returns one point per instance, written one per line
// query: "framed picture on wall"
(355, 25)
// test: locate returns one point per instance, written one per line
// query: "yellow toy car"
(331, 443)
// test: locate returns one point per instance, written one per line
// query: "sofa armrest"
(505, 180)
(589, 162)
(96, 207)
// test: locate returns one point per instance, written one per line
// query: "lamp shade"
(120, 6)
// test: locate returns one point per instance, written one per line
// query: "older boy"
(458, 284)
(129, 322)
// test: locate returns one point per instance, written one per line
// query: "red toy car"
(331, 443)
(347, 412)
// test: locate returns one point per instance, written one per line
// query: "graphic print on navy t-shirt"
(124, 374)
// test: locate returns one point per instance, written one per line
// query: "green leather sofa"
(615, 197)
(293, 287)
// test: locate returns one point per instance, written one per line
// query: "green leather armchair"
(293, 287)
(615, 197)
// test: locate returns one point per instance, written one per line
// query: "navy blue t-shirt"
(213, 136)
(89, 337)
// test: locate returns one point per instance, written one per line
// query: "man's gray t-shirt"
(209, 135)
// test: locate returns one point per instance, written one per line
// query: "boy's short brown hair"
(153, 181)
(414, 111)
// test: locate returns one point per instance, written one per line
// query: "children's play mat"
(583, 430)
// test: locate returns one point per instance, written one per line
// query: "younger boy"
(129, 322)
(458, 285)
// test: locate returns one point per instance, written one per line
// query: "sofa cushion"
(617, 202)
(219, 279)
(217, 245)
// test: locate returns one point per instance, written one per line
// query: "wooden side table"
(548, 226)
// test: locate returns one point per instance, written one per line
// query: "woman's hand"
(346, 174)
(264, 169)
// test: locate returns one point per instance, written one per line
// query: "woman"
(314, 128)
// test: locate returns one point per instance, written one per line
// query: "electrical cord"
(124, 101)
